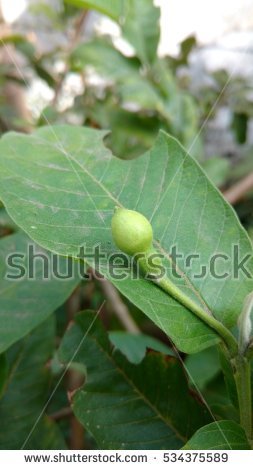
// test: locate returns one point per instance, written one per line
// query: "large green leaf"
(112, 8)
(223, 435)
(25, 303)
(69, 184)
(25, 394)
(121, 404)
(140, 26)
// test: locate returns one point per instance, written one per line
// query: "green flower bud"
(131, 231)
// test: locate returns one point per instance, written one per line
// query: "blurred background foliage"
(65, 64)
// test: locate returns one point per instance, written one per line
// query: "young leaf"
(223, 435)
(25, 394)
(25, 303)
(70, 201)
(121, 404)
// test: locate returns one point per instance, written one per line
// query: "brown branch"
(78, 28)
(78, 25)
(4, 126)
(77, 431)
(61, 414)
(238, 190)
(119, 307)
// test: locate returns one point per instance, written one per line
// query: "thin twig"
(238, 191)
(119, 307)
(78, 28)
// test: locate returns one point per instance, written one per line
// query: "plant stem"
(168, 286)
(242, 377)
(240, 363)
(219, 328)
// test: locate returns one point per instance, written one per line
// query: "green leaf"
(132, 87)
(186, 47)
(139, 93)
(43, 73)
(107, 61)
(46, 435)
(229, 378)
(112, 8)
(223, 435)
(216, 397)
(41, 9)
(48, 114)
(121, 404)
(140, 26)
(134, 347)
(240, 126)
(217, 169)
(69, 202)
(25, 303)
(13, 39)
(132, 133)
(138, 19)
(178, 108)
(202, 367)
(26, 393)
(3, 372)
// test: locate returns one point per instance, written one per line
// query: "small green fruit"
(131, 232)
